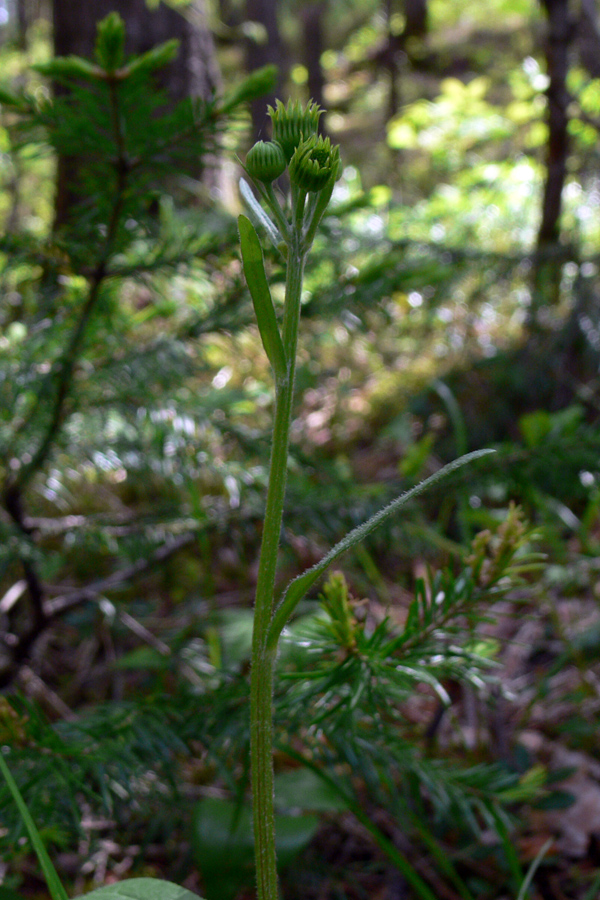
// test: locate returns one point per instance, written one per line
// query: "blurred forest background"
(451, 303)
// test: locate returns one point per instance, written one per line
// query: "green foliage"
(255, 85)
(379, 662)
(123, 144)
(540, 426)
(103, 308)
(161, 435)
(343, 676)
(110, 42)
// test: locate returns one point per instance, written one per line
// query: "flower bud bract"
(265, 161)
(292, 124)
(314, 163)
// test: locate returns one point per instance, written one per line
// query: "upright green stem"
(312, 167)
(263, 659)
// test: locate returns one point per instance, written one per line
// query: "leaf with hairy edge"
(254, 270)
(300, 586)
(141, 889)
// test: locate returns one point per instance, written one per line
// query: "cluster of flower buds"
(312, 162)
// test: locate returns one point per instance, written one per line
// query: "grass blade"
(57, 891)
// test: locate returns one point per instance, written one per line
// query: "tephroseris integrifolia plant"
(313, 166)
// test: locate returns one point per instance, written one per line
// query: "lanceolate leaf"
(254, 271)
(141, 889)
(300, 586)
(259, 213)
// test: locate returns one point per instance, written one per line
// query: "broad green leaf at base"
(141, 889)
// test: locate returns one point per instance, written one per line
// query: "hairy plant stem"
(263, 658)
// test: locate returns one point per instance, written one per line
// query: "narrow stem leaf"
(299, 587)
(254, 270)
(258, 212)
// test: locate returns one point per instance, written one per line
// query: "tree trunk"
(560, 33)
(263, 47)
(193, 73)
(416, 22)
(22, 23)
(549, 254)
(312, 23)
(400, 48)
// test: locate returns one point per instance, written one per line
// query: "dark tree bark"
(549, 254)
(312, 23)
(416, 19)
(194, 73)
(22, 23)
(399, 48)
(560, 34)
(263, 48)
(22, 14)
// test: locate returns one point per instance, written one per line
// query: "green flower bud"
(314, 163)
(292, 124)
(265, 161)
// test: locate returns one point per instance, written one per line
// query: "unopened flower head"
(314, 163)
(265, 161)
(293, 124)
